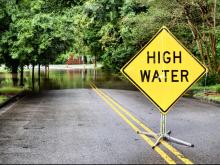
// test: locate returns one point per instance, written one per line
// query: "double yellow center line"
(125, 115)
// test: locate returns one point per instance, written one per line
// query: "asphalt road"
(83, 126)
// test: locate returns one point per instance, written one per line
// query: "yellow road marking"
(167, 145)
(147, 139)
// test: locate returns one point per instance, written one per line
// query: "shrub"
(3, 98)
(210, 79)
(218, 89)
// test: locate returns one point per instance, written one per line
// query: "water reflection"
(67, 79)
(79, 78)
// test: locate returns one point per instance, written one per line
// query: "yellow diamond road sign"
(163, 70)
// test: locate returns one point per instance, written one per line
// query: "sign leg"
(178, 141)
(164, 134)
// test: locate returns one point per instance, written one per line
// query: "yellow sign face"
(163, 70)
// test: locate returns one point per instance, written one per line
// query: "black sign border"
(133, 58)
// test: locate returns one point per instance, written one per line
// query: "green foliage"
(10, 90)
(218, 47)
(218, 89)
(62, 59)
(3, 99)
(114, 58)
(197, 88)
(34, 36)
(212, 97)
(42, 31)
(211, 79)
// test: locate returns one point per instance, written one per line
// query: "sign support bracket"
(164, 134)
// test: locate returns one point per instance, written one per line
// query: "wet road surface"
(78, 126)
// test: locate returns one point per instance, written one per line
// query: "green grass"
(3, 99)
(209, 97)
(213, 88)
(10, 90)
(201, 92)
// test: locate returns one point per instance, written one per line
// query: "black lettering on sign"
(174, 75)
(177, 57)
(158, 57)
(145, 75)
(149, 57)
(165, 57)
(184, 73)
(164, 76)
(156, 76)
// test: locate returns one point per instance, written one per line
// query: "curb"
(190, 94)
(213, 102)
(13, 98)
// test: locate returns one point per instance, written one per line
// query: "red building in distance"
(74, 60)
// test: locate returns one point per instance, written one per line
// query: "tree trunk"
(94, 75)
(207, 53)
(209, 19)
(204, 33)
(197, 39)
(33, 71)
(14, 73)
(214, 13)
(38, 70)
(95, 63)
(46, 74)
(33, 77)
(15, 79)
(48, 71)
(22, 75)
(213, 50)
(39, 76)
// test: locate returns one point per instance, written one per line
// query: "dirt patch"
(212, 94)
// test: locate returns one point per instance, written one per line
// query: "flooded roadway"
(71, 122)
(68, 77)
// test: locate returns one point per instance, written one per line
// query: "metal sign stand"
(164, 134)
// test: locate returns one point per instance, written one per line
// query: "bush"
(218, 89)
(3, 99)
(211, 79)
(114, 59)
(62, 59)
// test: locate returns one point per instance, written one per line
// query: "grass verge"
(10, 90)
(208, 96)
(210, 93)
(213, 88)
(3, 99)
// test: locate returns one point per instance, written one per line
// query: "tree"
(204, 25)
(33, 37)
(38, 32)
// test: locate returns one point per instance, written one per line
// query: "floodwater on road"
(79, 78)
(68, 78)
